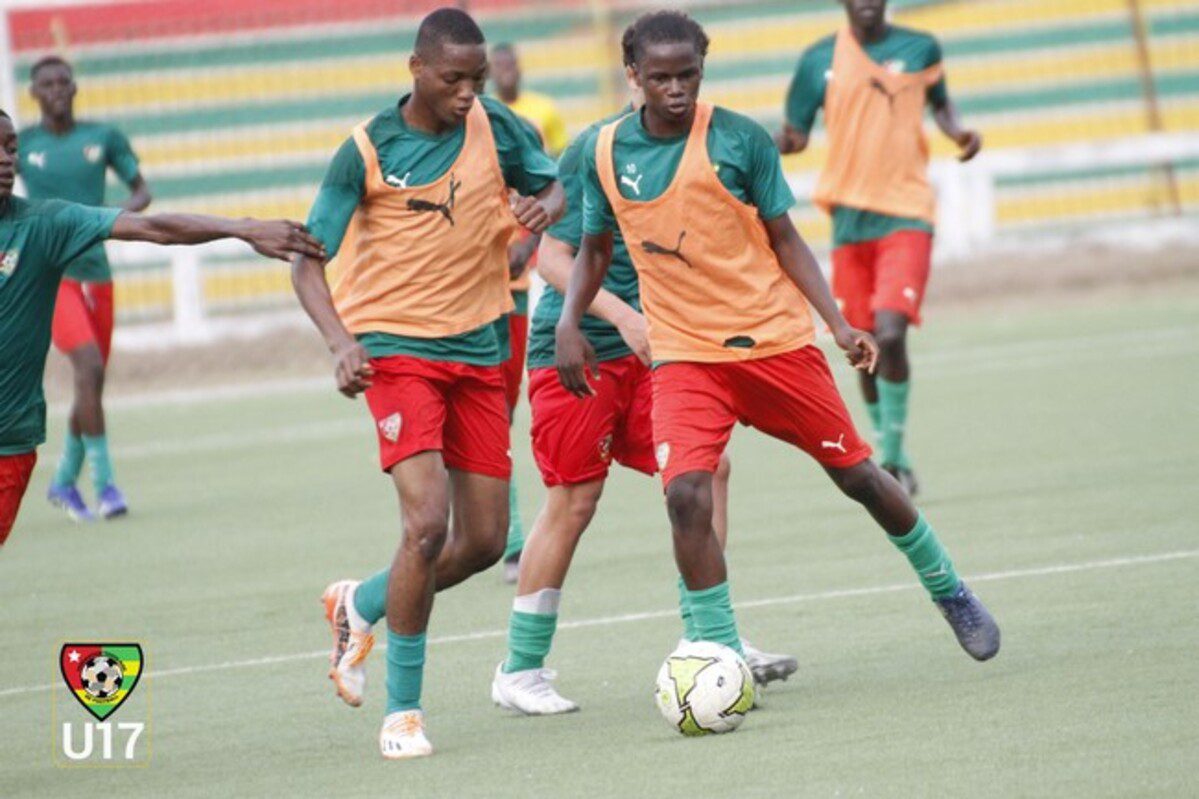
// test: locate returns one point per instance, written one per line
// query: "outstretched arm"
(801, 267)
(352, 368)
(276, 239)
(968, 140)
(575, 355)
(555, 259)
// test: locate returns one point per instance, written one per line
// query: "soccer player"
(699, 194)
(575, 441)
(63, 158)
(415, 206)
(39, 240)
(873, 81)
(539, 109)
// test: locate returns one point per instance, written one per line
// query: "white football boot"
(529, 692)
(403, 736)
(351, 643)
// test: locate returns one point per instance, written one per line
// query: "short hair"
(662, 27)
(447, 25)
(49, 61)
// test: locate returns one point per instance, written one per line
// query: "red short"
(575, 440)
(454, 408)
(789, 396)
(514, 367)
(14, 479)
(83, 314)
(887, 274)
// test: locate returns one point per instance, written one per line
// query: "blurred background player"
(68, 159)
(40, 239)
(541, 114)
(575, 441)
(726, 282)
(873, 81)
(415, 208)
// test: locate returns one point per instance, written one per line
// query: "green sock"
(531, 629)
(929, 559)
(690, 633)
(893, 412)
(96, 448)
(370, 597)
(71, 462)
(876, 420)
(712, 612)
(405, 671)
(516, 531)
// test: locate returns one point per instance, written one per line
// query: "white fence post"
(187, 293)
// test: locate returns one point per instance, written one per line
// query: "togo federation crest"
(101, 676)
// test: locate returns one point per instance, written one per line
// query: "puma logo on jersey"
(653, 248)
(635, 185)
(390, 427)
(399, 183)
(93, 153)
(879, 87)
(663, 455)
(8, 262)
(38, 159)
(446, 209)
(839, 444)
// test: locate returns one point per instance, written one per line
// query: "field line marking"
(628, 618)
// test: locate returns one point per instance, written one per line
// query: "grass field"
(1057, 451)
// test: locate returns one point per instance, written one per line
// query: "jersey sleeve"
(768, 189)
(338, 197)
(597, 211)
(569, 228)
(805, 95)
(74, 229)
(121, 157)
(525, 165)
(937, 94)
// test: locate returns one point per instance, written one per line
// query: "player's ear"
(415, 65)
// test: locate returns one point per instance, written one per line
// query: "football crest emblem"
(605, 448)
(8, 262)
(93, 153)
(663, 454)
(390, 427)
(101, 676)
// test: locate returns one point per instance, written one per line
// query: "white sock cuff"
(544, 602)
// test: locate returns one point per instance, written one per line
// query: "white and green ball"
(704, 688)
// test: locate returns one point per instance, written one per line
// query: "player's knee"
(580, 506)
(426, 532)
(892, 341)
(862, 483)
(689, 503)
(88, 366)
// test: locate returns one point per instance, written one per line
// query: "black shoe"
(972, 623)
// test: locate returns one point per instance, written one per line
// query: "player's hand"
(519, 255)
(575, 357)
(353, 369)
(970, 141)
(282, 239)
(635, 333)
(531, 213)
(860, 348)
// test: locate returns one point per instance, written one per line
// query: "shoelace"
(542, 687)
(408, 725)
(964, 610)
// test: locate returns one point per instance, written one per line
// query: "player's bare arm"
(352, 368)
(275, 239)
(574, 353)
(139, 194)
(555, 259)
(968, 140)
(541, 210)
(520, 253)
(801, 267)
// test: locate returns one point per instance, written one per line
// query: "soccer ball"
(704, 687)
(101, 676)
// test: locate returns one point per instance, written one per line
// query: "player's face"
(505, 73)
(54, 89)
(866, 13)
(8, 157)
(669, 74)
(449, 79)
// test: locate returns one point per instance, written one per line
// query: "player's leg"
(902, 268)
(513, 369)
(853, 286)
(109, 499)
(73, 334)
(15, 471)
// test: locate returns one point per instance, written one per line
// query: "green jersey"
(621, 279)
(411, 157)
(742, 152)
(901, 49)
(38, 239)
(73, 167)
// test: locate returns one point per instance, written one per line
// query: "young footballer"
(39, 240)
(873, 81)
(416, 209)
(63, 158)
(698, 194)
